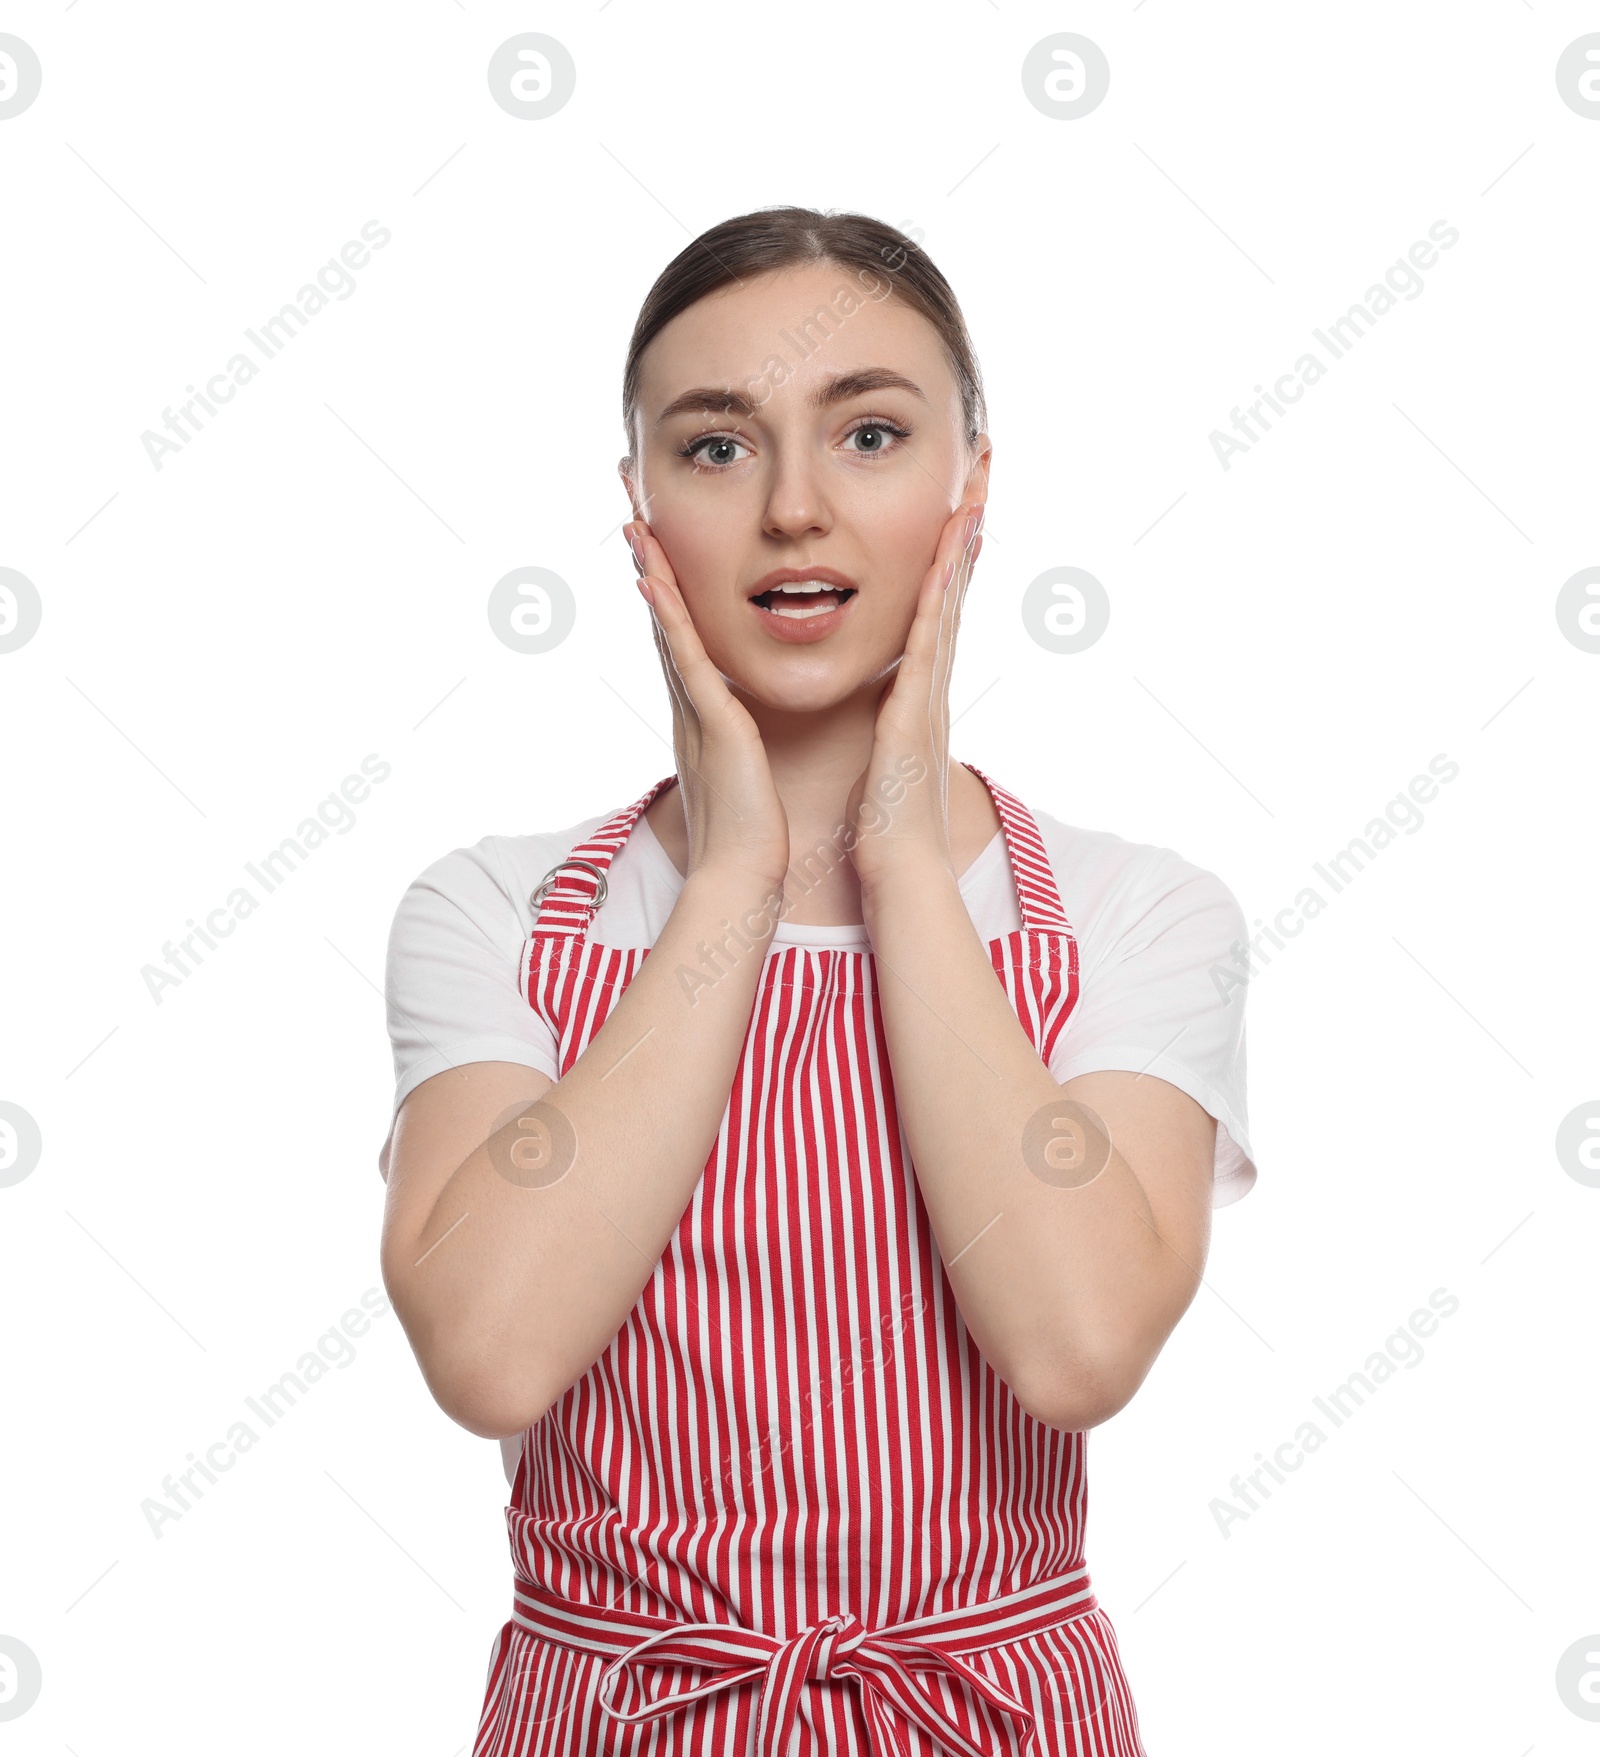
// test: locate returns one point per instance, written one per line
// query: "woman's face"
(822, 459)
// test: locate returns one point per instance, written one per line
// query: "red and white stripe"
(791, 1510)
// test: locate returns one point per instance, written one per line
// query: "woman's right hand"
(735, 819)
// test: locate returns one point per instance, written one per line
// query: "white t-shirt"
(1151, 928)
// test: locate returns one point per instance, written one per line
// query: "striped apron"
(791, 1511)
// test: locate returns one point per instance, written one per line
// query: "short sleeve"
(1161, 992)
(451, 979)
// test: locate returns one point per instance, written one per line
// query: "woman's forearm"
(544, 1237)
(1047, 1276)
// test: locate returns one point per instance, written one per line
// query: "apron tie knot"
(836, 1637)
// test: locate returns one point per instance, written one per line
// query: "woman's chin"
(814, 686)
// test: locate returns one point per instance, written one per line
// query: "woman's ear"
(977, 488)
(625, 470)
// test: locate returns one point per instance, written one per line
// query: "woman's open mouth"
(803, 610)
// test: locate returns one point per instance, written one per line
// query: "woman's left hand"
(899, 808)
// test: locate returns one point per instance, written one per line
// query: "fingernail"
(638, 551)
(644, 591)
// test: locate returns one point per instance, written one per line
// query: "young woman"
(772, 1169)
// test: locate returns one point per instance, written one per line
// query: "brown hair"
(783, 237)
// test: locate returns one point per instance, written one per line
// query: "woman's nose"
(796, 500)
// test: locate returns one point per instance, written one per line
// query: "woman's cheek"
(917, 523)
(689, 546)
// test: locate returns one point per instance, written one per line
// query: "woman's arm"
(1070, 1266)
(1073, 1219)
(512, 1270)
(510, 1276)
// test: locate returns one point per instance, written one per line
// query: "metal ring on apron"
(538, 894)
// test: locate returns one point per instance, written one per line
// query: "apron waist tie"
(886, 1664)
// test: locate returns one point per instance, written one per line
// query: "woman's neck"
(821, 888)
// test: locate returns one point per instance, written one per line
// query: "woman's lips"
(801, 619)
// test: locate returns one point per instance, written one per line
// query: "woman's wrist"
(905, 882)
(752, 902)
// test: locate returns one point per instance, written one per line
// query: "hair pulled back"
(771, 238)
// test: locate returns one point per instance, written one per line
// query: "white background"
(1292, 639)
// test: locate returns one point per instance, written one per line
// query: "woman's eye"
(880, 435)
(712, 451)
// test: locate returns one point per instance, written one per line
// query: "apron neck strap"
(1038, 897)
(566, 898)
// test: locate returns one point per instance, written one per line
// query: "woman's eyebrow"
(705, 400)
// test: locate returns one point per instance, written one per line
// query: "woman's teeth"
(799, 603)
(813, 607)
